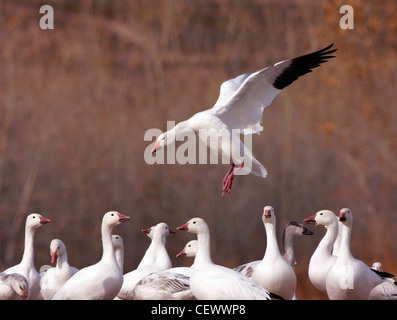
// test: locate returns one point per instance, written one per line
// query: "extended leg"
(228, 179)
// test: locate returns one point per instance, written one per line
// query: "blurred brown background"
(76, 101)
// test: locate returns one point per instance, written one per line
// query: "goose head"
(162, 230)
(149, 232)
(113, 218)
(346, 216)
(36, 220)
(20, 285)
(117, 242)
(195, 226)
(322, 218)
(268, 215)
(57, 249)
(189, 250)
(297, 229)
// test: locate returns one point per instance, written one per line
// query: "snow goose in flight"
(103, 280)
(209, 281)
(26, 266)
(239, 110)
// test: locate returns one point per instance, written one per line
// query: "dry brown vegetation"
(76, 101)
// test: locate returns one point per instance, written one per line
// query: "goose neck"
(203, 255)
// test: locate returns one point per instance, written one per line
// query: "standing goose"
(273, 272)
(55, 278)
(170, 284)
(352, 279)
(118, 245)
(26, 266)
(239, 110)
(162, 262)
(13, 286)
(291, 229)
(209, 281)
(150, 254)
(103, 280)
(322, 258)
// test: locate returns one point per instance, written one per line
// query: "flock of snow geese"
(332, 268)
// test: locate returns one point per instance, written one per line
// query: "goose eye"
(194, 222)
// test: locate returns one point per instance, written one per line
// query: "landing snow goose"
(55, 278)
(103, 280)
(162, 262)
(291, 230)
(209, 281)
(273, 272)
(352, 279)
(322, 258)
(26, 266)
(13, 286)
(171, 284)
(239, 110)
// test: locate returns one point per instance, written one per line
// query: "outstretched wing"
(242, 99)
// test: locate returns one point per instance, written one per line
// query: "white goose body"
(209, 281)
(273, 272)
(323, 259)
(26, 266)
(55, 278)
(162, 262)
(171, 284)
(103, 280)
(291, 229)
(350, 278)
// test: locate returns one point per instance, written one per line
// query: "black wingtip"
(302, 65)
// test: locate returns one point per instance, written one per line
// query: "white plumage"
(239, 110)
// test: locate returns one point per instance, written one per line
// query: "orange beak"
(53, 256)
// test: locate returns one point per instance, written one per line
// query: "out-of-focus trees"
(76, 101)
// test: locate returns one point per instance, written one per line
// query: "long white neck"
(162, 257)
(120, 258)
(326, 244)
(203, 255)
(28, 253)
(149, 256)
(272, 249)
(344, 250)
(107, 244)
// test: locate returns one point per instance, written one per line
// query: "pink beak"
(181, 254)
(311, 219)
(183, 227)
(155, 147)
(44, 220)
(123, 218)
